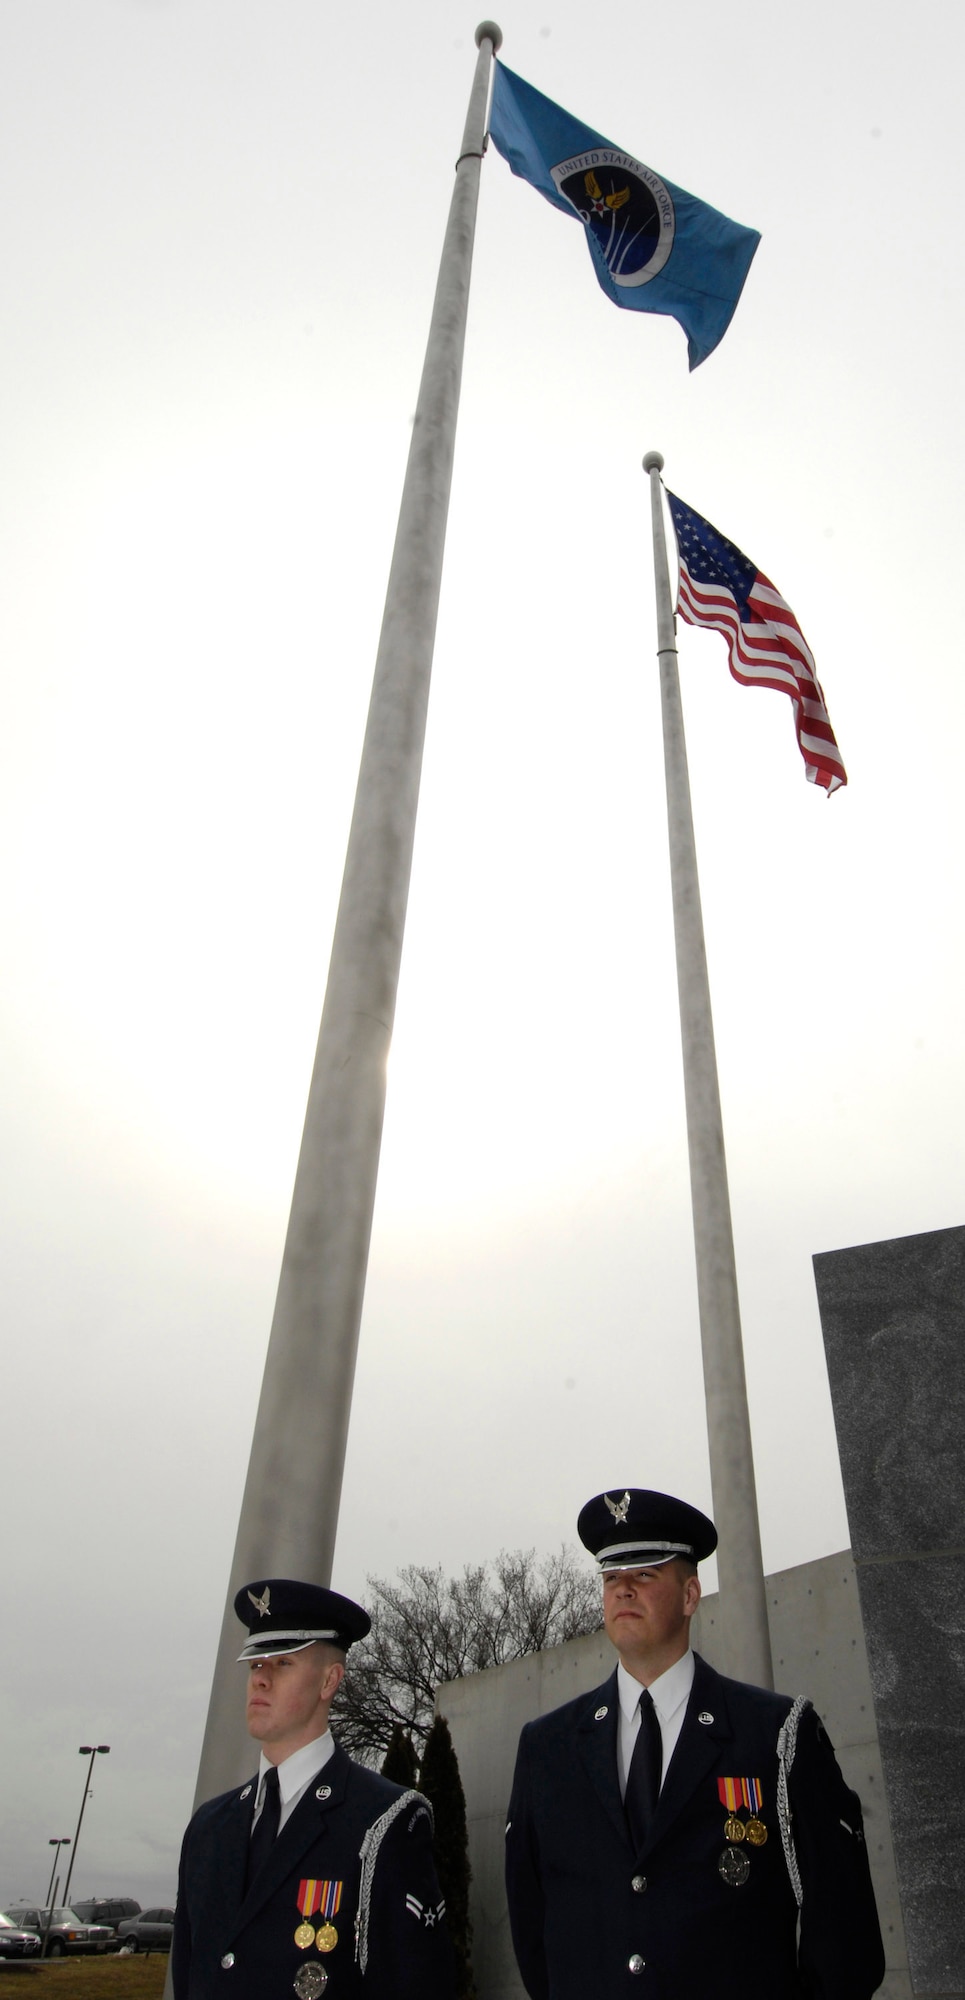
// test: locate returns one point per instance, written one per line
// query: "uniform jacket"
(229, 1945)
(591, 1916)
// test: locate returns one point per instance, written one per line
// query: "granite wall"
(893, 1318)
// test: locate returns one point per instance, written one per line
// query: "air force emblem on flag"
(654, 247)
(627, 210)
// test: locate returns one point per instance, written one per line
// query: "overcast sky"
(219, 244)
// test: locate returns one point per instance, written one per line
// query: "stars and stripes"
(723, 590)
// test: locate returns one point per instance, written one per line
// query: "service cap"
(633, 1528)
(285, 1617)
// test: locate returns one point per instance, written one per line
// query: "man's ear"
(692, 1595)
(332, 1679)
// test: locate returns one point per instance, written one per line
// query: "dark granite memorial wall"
(893, 1319)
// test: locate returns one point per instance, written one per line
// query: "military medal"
(329, 1902)
(309, 1900)
(733, 1867)
(734, 1793)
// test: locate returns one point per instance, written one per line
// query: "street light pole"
(58, 1844)
(90, 1750)
(48, 1917)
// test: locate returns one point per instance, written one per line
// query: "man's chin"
(626, 1632)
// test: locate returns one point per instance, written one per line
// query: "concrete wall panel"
(893, 1318)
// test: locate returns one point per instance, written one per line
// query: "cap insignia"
(261, 1603)
(619, 1508)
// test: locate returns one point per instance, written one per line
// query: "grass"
(130, 1977)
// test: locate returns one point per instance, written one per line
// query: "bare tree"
(428, 1628)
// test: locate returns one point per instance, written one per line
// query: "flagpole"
(290, 1507)
(746, 1651)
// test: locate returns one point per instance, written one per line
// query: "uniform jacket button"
(227, 1961)
(638, 1884)
(637, 1963)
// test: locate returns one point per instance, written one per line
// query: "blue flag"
(654, 248)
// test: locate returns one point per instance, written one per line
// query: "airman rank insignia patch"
(429, 1914)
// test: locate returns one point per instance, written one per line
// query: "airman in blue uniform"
(675, 1835)
(316, 1876)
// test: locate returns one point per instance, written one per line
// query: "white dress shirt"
(294, 1775)
(669, 1693)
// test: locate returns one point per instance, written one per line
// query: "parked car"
(151, 1931)
(15, 1943)
(66, 1932)
(106, 1909)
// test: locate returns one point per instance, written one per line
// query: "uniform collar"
(668, 1692)
(295, 1771)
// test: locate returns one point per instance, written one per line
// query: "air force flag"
(654, 248)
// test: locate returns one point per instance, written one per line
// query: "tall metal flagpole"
(743, 1601)
(290, 1507)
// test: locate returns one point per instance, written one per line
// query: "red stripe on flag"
(770, 651)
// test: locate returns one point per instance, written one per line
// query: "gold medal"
(756, 1831)
(734, 1828)
(317, 1898)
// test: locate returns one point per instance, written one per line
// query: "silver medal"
(310, 1980)
(733, 1867)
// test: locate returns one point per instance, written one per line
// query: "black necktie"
(266, 1827)
(643, 1777)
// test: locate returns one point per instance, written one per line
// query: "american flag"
(722, 589)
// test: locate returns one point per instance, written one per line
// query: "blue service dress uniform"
(392, 1942)
(590, 1916)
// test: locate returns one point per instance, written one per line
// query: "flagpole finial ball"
(488, 31)
(653, 462)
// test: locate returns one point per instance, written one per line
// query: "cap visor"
(262, 1644)
(636, 1559)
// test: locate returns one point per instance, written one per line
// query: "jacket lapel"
(229, 1853)
(596, 1738)
(698, 1748)
(303, 1830)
